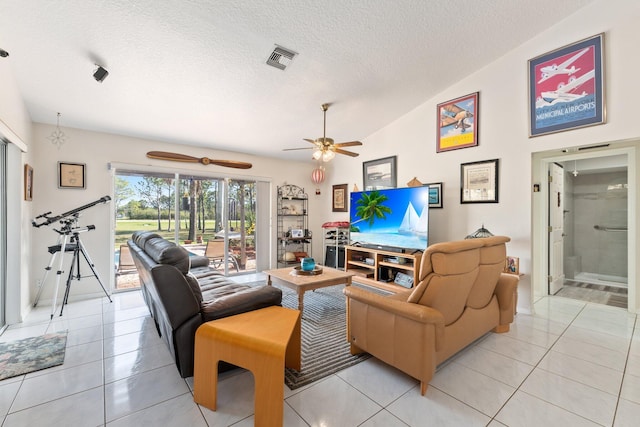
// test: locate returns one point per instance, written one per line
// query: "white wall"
(97, 150)
(503, 132)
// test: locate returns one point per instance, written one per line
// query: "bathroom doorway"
(595, 230)
(603, 172)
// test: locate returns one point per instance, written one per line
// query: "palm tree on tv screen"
(370, 206)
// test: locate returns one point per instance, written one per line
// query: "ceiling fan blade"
(348, 153)
(310, 140)
(163, 155)
(348, 144)
(231, 164)
(294, 149)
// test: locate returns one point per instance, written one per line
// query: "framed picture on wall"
(379, 174)
(435, 195)
(566, 87)
(479, 182)
(340, 198)
(71, 175)
(457, 123)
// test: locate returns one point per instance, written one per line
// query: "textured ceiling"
(193, 71)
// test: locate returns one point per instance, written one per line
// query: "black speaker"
(330, 257)
(100, 74)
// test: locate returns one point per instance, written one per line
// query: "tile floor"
(572, 364)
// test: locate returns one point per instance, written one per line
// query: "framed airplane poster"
(457, 123)
(566, 89)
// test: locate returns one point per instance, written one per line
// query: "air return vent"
(281, 57)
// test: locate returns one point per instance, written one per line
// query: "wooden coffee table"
(301, 284)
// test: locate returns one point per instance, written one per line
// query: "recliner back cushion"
(447, 288)
(492, 259)
(165, 252)
(141, 237)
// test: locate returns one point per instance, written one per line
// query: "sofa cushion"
(194, 285)
(165, 252)
(140, 238)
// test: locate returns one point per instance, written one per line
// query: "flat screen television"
(394, 218)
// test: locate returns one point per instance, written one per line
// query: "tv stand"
(379, 267)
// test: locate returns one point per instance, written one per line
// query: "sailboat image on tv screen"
(415, 224)
(390, 218)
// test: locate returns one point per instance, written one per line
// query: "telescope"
(68, 241)
(46, 219)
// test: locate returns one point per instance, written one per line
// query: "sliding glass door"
(3, 233)
(213, 217)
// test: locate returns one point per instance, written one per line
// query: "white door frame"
(555, 218)
(540, 208)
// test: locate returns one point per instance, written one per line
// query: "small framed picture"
(379, 174)
(297, 233)
(512, 265)
(457, 123)
(71, 175)
(28, 182)
(435, 195)
(340, 198)
(479, 182)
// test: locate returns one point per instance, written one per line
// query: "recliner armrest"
(416, 312)
(505, 292)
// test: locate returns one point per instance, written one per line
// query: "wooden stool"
(264, 342)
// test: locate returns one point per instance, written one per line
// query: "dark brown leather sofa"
(182, 292)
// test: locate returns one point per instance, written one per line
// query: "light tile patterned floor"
(573, 363)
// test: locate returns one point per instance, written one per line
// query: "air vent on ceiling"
(281, 57)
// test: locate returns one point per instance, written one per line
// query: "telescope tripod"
(68, 241)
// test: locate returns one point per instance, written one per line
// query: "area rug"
(31, 354)
(325, 349)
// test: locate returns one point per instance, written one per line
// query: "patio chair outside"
(217, 256)
(125, 261)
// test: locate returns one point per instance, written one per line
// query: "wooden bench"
(262, 341)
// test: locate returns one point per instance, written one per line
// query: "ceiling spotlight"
(4, 53)
(100, 74)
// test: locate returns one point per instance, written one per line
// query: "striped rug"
(325, 349)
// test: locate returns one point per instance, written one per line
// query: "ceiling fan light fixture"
(328, 155)
(317, 154)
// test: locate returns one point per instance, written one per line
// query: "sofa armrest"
(505, 291)
(416, 312)
(170, 289)
(199, 261)
(241, 302)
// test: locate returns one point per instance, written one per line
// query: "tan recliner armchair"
(461, 295)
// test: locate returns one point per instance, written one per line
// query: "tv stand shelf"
(382, 267)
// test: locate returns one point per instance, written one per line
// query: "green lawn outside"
(126, 227)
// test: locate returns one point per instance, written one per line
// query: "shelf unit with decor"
(294, 237)
(380, 268)
(335, 238)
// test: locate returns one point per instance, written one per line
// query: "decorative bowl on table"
(307, 264)
(298, 271)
